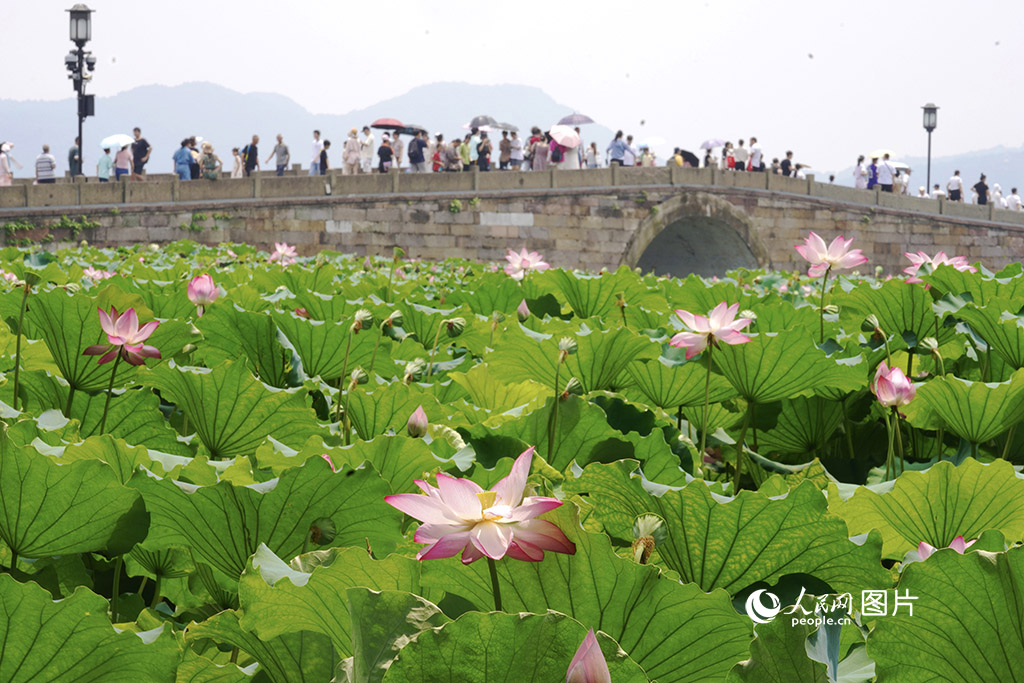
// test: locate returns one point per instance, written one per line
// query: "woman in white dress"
(860, 174)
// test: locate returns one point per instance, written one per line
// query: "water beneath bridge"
(696, 244)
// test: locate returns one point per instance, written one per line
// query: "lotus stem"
(110, 391)
(847, 428)
(17, 346)
(376, 345)
(14, 560)
(142, 585)
(679, 419)
(1009, 440)
(824, 282)
(387, 292)
(495, 588)
(941, 438)
(344, 374)
(71, 398)
(899, 439)
(184, 423)
(156, 593)
(910, 363)
(433, 350)
(704, 414)
(116, 591)
(889, 469)
(234, 655)
(739, 451)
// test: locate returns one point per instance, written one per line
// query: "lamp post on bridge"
(80, 65)
(930, 118)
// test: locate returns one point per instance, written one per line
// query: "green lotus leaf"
(674, 631)
(488, 293)
(51, 509)
(233, 412)
(1003, 333)
(291, 658)
(325, 307)
(277, 599)
(121, 457)
(399, 460)
(321, 346)
(731, 543)
(802, 426)
(373, 413)
(487, 390)
(938, 505)
(779, 655)
(975, 411)
(967, 622)
(682, 385)
(597, 295)
(195, 668)
(224, 524)
(73, 641)
(699, 296)
(503, 648)
(904, 311)
(230, 334)
(976, 287)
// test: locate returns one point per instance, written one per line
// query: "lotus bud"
(831, 309)
(398, 253)
(394, 320)
(359, 376)
(418, 423)
(566, 347)
(523, 312)
(588, 664)
(322, 531)
(414, 370)
(870, 324)
(930, 344)
(302, 313)
(455, 326)
(367, 264)
(362, 320)
(188, 348)
(572, 388)
(648, 532)
(70, 287)
(878, 271)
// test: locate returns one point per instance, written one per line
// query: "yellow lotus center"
(487, 500)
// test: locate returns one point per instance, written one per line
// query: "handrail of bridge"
(165, 190)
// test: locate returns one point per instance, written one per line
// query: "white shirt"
(740, 154)
(860, 176)
(755, 156)
(1013, 202)
(628, 157)
(905, 179)
(885, 173)
(516, 149)
(318, 146)
(955, 183)
(366, 149)
(938, 194)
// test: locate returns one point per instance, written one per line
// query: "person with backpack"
(251, 156)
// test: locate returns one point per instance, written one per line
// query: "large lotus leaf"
(390, 406)
(503, 648)
(802, 427)
(423, 322)
(165, 299)
(69, 324)
(72, 640)
(224, 524)
(231, 334)
(487, 390)
(277, 599)
(699, 296)
(232, 411)
(321, 346)
(488, 293)
(682, 385)
(774, 366)
(731, 543)
(291, 658)
(774, 315)
(966, 624)
(382, 623)
(977, 287)
(975, 411)
(398, 459)
(600, 360)
(194, 668)
(51, 509)
(317, 277)
(329, 307)
(121, 457)
(597, 294)
(938, 505)
(779, 655)
(904, 312)
(1004, 333)
(674, 631)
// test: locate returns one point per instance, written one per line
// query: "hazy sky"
(687, 70)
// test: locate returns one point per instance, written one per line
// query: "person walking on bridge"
(955, 187)
(281, 152)
(860, 174)
(366, 150)
(318, 146)
(886, 174)
(350, 153)
(251, 156)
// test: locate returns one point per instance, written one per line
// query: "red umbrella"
(387, 124)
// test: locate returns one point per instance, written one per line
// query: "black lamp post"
(930, 117)
(80, 64)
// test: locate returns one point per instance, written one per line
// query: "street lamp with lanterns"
(930, 118)
(80, 65)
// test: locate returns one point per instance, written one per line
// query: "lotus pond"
(222, 465)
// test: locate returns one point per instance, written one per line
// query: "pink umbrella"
(565, 136)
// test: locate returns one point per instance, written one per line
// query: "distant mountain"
(1003, 165)
(227, 118)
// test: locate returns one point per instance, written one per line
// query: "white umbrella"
(116, 141)
(900, 166)
(712, 143)
(565, 136)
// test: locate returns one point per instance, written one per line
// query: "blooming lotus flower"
(458, 515)
(283, 254)
(924, 550)
(125, 337)
(892, 387)
(202, 291)
(921, 259)
(417, 425)
(721, 325)
(588, 665)
(96, 274)
(10, 277)
(836, 255)
(302, 312)
(520, 263)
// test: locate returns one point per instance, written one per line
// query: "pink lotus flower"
(10, 277)
(283, 254)
(125, 337)
(520, 263)
(924, 550)
(522, 311)
(892, 387)
(417, 425)
(836, 255)
(921, 260)
(202, 291)
(721, 325)
(588, 665)
(95, 274)
(458, 515)
(329, 462)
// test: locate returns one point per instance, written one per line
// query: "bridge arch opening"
(696, 233)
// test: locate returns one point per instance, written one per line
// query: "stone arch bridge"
(670, 220)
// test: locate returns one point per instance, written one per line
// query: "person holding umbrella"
(6, 173)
